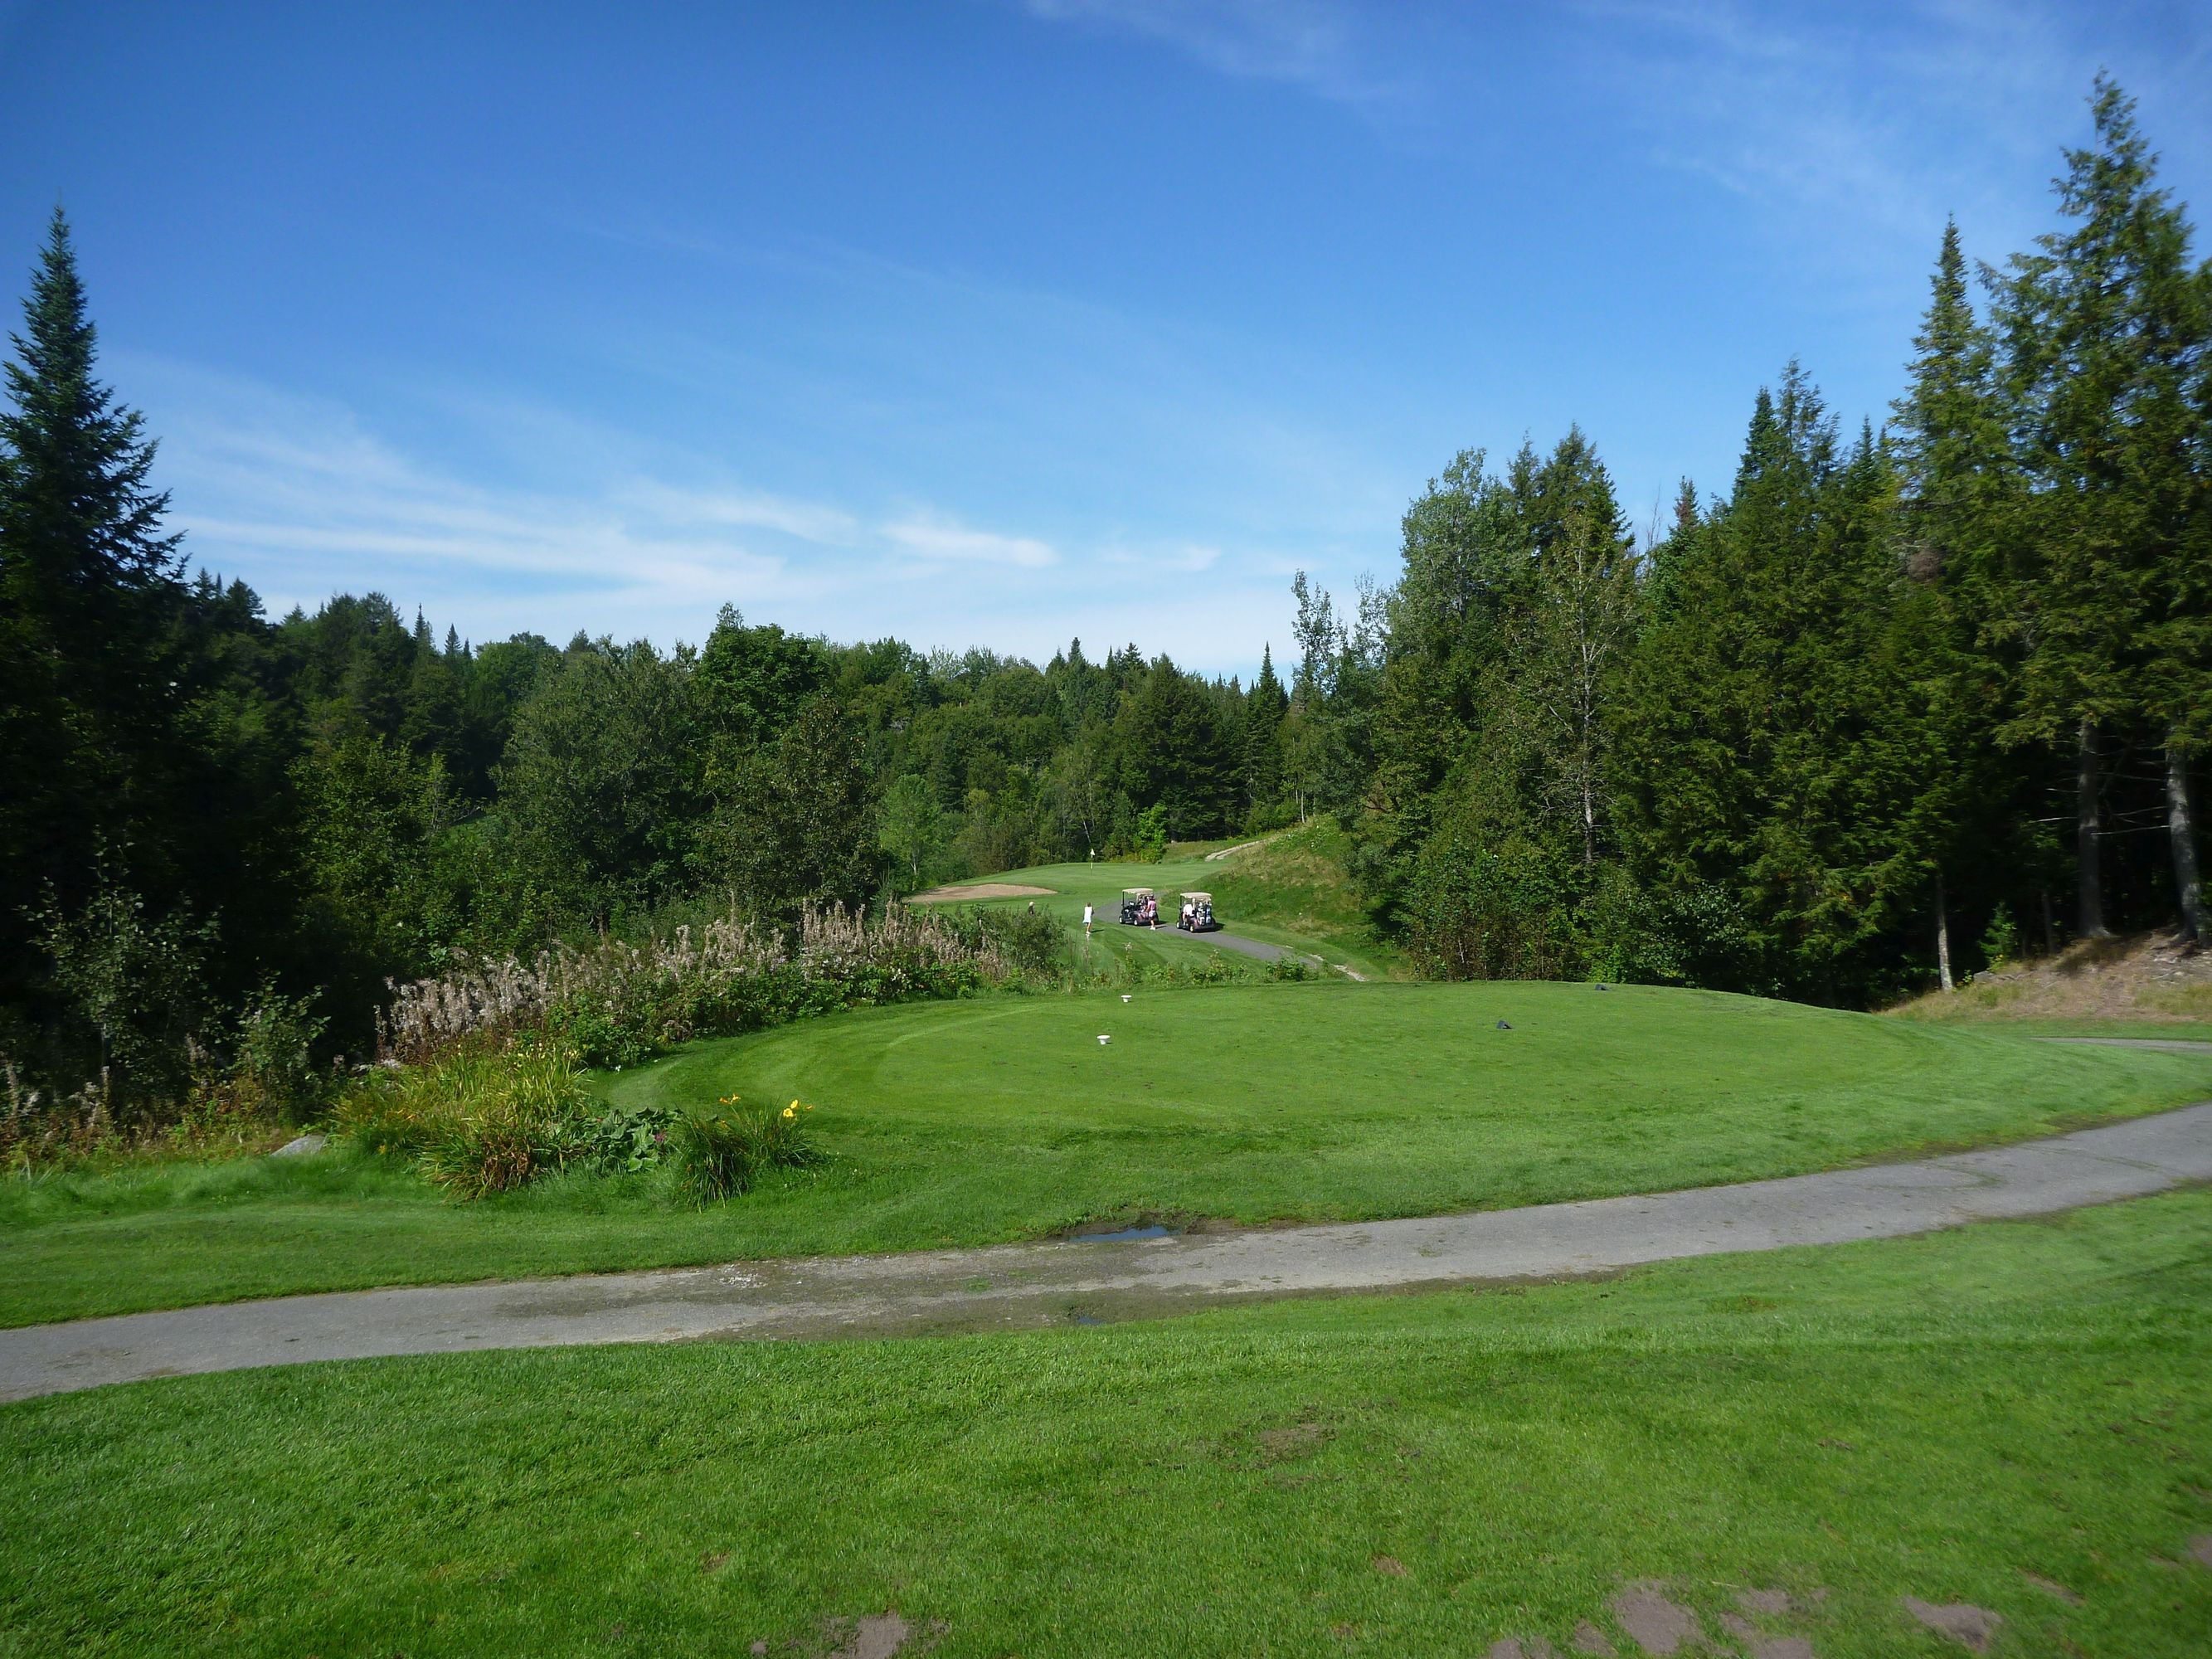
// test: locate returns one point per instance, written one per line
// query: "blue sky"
(996, 321)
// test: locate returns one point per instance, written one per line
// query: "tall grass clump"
(721, 1153)
(478, 1121)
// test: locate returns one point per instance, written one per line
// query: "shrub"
(2001, 941)
(1150, 844)
(479, 1156)
(482, 1119)
(719, 1154)
(1477, 912)
(626, 1140)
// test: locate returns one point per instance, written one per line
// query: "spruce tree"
(1947, 629)
(88, 602)
(2105, 336)
(1264, 709)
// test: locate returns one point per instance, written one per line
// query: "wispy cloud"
(1886, 122)
(1311, 43)
(934, 537)
(297, 496)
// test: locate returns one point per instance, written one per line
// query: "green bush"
(479, 1156)
(721, 1153)
(482, 1120)
(1150, 845)
(626, 1140)
(2000, 942)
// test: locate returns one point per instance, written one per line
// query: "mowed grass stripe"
(1939, 1417)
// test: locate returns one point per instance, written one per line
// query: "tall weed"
(618, 1002)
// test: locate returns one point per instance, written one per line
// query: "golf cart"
(1198, 913)
(1140, 908)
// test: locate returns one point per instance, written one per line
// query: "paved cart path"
(1081, 1281)
(1263, 950)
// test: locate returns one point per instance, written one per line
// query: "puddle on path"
(1122, 1234)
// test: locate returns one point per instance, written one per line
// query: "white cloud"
(930, 536)
(1885, 123)
(807, 521)
(1312, 44)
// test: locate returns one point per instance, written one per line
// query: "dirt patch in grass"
(1961, 1620)
(2051, 1587)
(981, 889)
(1759, 1645)
(1654, 1623)
(1295, 1440)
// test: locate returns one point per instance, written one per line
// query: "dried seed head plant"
(483, 998)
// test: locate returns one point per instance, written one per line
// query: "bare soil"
(1654, 1623)
(1963, 1620)
(2149, 978)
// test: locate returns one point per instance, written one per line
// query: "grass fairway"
(1003, 1118)
(1939, 1417)
(1291, 891)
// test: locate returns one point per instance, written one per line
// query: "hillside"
(1295, 882)
(2144, 980)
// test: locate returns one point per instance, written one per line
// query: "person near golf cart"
(1198, 913)
(1140, 908)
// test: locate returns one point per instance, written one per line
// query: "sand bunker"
(982, 890)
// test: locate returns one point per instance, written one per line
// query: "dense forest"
(1899, 701)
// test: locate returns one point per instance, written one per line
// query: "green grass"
(2159, 1031)
(2157, 1027)
(1938, 1418)
(1292, 892)
(1003, 1118)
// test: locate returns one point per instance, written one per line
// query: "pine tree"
(2105, 336)
(1950, 445)
(1265, 707)
(88, 599)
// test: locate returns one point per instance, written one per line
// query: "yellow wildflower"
(790, 1111)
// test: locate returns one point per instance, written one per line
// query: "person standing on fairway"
(1086, 921)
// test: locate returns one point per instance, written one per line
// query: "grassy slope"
(1291, 891)
(2138, 987)
(1937, 1418)
(1003, 1118)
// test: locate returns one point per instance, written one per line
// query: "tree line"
(1897, 699)
(214, 825)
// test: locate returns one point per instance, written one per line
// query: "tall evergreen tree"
(1956, 487)
(88, 599)
(2105, 336)
(1265, 708)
